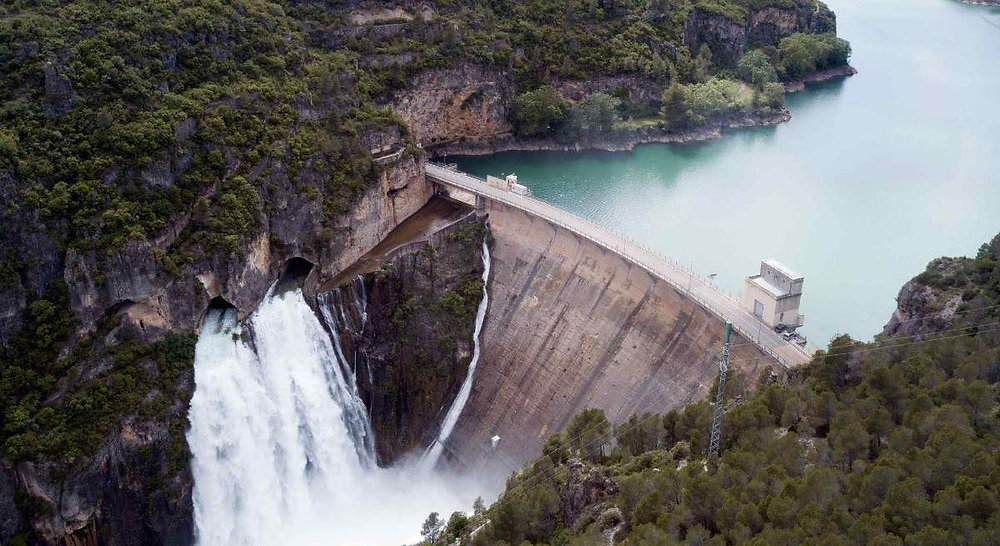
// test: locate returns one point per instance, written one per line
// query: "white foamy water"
(455, 410)
(282, 446)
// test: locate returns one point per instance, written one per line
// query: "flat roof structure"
(780, 267)
(766, 286)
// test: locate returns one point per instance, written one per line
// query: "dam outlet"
(281, 444)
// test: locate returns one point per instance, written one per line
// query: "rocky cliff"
(406, 328)
(952, 295)
(115, 496)
(468, 107)
(729, 33)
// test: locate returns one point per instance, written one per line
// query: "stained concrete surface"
(572, 325)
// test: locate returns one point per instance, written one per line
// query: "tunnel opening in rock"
(293, 275)
(220, 304)
(218, 313)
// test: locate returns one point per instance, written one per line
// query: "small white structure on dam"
(774, 295)
(508, 183)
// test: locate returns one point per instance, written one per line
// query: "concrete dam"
(439, 361)
(579, 318)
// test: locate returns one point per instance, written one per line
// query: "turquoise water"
(873, 177)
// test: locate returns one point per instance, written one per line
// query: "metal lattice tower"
(713, 442)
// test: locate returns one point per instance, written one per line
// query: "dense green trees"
(755, 67)
(701, 102)
(543, 112)
(801, 53)
(540, 111)
(592, 115)
(714, 97)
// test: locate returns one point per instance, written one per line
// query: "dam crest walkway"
(697, 288)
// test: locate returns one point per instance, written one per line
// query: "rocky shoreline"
(994, 3)
(821, 76)
(627, 140)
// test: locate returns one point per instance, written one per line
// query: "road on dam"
(685, 281)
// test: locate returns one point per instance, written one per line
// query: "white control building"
(774, 295)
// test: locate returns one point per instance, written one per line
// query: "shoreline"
(992, 3)
(627, 140)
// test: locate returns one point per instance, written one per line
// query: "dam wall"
(573, 325)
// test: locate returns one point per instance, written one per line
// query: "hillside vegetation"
(151, 149)
(891, 442)
(184, 123)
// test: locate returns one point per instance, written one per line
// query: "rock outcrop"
(466, 102)
(729, 35)
(952, 295)
(407, 330)
(585, 490)
(11, 519)
(130, 494)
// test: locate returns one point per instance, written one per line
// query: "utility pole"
(713, 442)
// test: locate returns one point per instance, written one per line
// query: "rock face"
(136, 489)
(407, 328)
(952, 294)
(466, 102)
(24, 239)
(132, 275)
(729, 37)
(726, 38)
(123, 498)
(920, 310)
(11, 519)
(586, 488)
(572, 326)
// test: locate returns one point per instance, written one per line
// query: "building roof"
(766, 286)
(780, 267)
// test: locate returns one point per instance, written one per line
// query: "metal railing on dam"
(685, 281)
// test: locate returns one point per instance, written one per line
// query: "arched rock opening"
(294, 274)
(219, 303)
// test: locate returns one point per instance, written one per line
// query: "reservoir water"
(873, 177)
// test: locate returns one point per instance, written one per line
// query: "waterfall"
(282, 448)
(346, 310)
(433, 453)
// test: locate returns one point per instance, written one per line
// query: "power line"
(907, 321)
(894, 346)
(537, 477)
